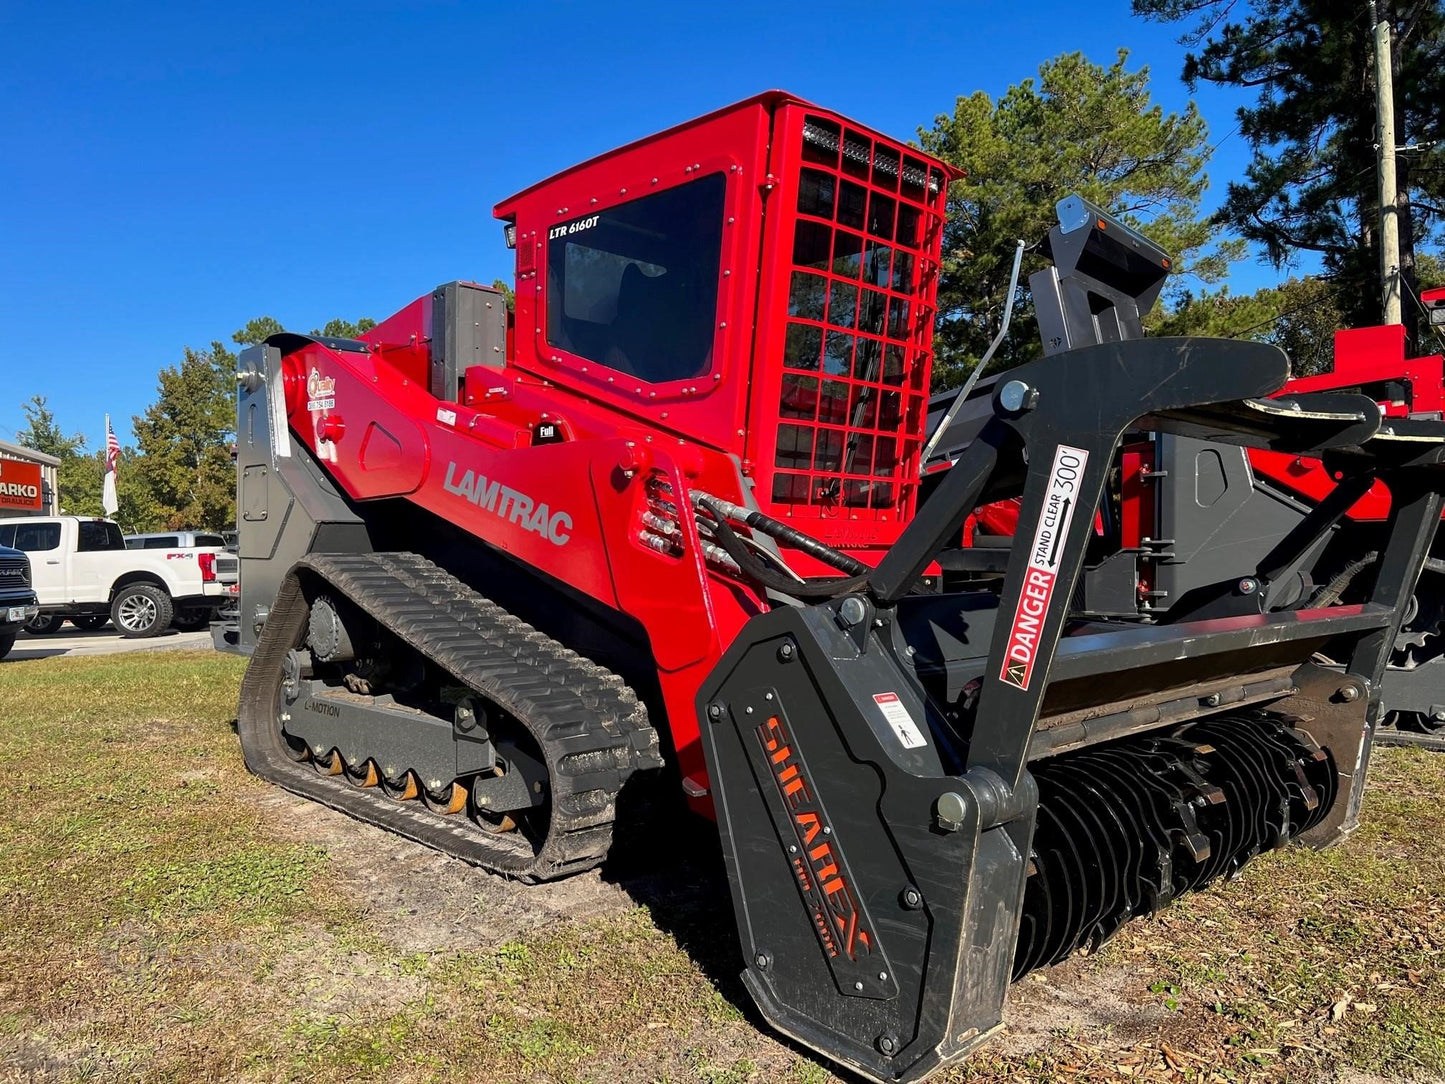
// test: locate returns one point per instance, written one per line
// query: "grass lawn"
(164, 916)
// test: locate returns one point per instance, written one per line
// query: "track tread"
(593, 730)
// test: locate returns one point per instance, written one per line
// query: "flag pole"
(109, 502)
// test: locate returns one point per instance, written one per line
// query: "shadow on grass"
(669, 860)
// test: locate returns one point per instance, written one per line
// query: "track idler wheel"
(494, 821)
(1125, 827)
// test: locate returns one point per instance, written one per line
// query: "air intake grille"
(14, 573)
(860, 308)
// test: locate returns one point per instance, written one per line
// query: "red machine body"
(1371, 360)
(489, 560)
(806, 393)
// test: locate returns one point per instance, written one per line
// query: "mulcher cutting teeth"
(1223, 791)
(952, 790)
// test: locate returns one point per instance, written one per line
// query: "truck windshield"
(635, 287)
(99, 534)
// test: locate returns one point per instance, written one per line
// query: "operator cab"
(762, 281)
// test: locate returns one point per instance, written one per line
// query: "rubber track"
(592, 729)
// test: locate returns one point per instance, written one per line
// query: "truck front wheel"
(140, 610)
(7, 641)
(44, 624)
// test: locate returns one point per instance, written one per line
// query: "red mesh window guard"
(866, 229)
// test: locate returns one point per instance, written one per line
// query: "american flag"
(112, 447)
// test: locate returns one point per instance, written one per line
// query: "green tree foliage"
(80, 483)
(1300, 316)
(80, 487)
(80, 473)
(262, 327)
(257, 330)
(42, 433)
(346, 329)
(503, 287)
(180, 473)
(1079, 127)
(184, 442)
(1311, 185)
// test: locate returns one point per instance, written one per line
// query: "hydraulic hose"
(735, 548)
(1329, 594)
(789, 536)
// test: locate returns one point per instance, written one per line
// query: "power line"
(1232, 133)
(1420, 304)
(1289, 312)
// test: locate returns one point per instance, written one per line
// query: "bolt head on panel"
(1015, 395)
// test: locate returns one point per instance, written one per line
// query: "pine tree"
(184, 440)
(1079, 128)
(1300, 316)
(1311, 186)
(42, 433)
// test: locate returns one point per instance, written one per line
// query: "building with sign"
(28, 482)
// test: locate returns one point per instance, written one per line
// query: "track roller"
(447, 804)
(403, 791)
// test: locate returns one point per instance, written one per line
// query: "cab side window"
(37, 537)
(635, 287)
(98, 536)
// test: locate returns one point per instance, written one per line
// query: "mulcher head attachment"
(922, 796)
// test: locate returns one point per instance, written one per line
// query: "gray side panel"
(1213, 520)
(469, 327)
(286, 505)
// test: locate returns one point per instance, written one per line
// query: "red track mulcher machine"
(664, 521)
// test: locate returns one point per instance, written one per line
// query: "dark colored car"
(17, 597)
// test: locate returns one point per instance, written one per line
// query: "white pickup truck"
(81, 570)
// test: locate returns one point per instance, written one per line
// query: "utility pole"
(1385, 149)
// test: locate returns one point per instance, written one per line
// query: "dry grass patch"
(164, 916)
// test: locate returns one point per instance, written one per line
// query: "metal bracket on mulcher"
(870, 755)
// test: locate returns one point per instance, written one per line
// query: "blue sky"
(168, 171)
